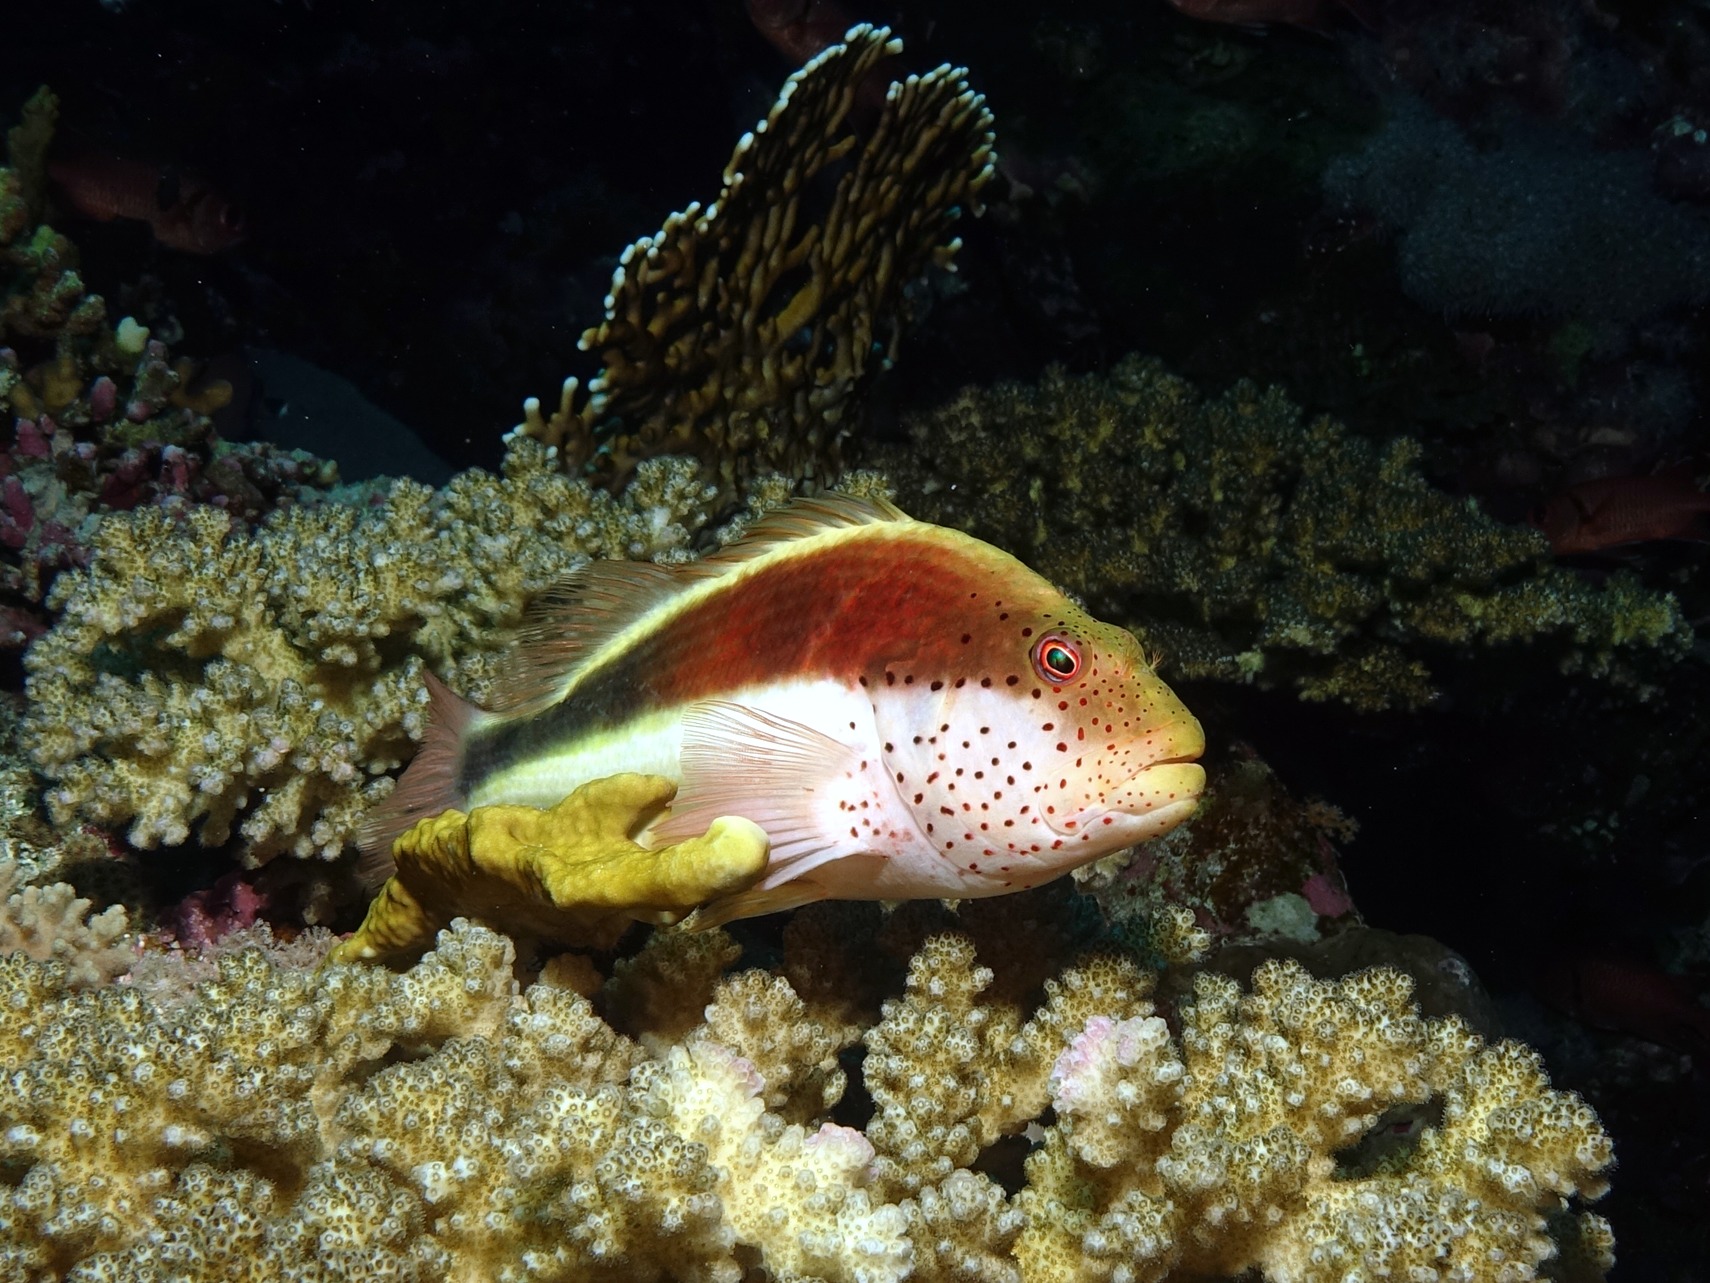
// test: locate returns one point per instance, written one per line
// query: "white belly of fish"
(802, 760)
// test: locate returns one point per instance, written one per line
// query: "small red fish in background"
(1612, 511)
(802, 29)
(1314, 15)
(799, 29)
(185, 212)
(1628, 996)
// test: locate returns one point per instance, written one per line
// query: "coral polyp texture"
(744, 332)
(257, 684)
(1252, 546)
(1254, 865)
(278, 1122)
(53, 921)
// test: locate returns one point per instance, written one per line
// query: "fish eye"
(1056, 659)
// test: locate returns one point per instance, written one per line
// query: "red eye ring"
(1056, 659)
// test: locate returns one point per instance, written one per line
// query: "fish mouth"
(1156, 798)
(1147, 806)
(1168, 785)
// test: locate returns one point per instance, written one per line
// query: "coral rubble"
(1253, 546)
(280, 1123)
(744, 332)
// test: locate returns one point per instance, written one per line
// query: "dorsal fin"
(590, 607)
(571, 620)
(802, 519)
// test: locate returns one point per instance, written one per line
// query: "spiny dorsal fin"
(588, 608)
(802, 519)
(572, 620)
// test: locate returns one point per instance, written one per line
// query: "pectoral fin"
(782, 774)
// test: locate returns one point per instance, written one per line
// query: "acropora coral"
(744, 332)
(53, 921)
(1251, 545)
(259, 683)
(284, 1122)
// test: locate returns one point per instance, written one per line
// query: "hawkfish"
(907, 711)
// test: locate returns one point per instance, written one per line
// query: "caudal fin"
(427, 786)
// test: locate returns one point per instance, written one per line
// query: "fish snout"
(1164, 786)
(1165, 792)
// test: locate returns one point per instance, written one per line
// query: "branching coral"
(1237, 1132)
(55, 922)
(258, 684)
(102, 417)
(1252, 546)
(43, 295)
(276, 1123)
(745, 331)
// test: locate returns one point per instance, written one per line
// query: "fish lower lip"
(1165, 783)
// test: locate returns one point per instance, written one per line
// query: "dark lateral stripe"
(843, 609)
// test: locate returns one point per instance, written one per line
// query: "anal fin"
(751, 904)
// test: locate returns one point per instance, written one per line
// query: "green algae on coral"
(1254, 546)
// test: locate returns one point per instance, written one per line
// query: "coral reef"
(1253, 865)
(257, 684)
(236, 656)
(278, 1122)
(1539, 224)
(104, 418)
(744, 332)
(38, 852)
(1251, 546)
(572, 873)
(44, 296)
(53, 921)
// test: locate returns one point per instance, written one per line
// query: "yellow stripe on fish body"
(905, 710)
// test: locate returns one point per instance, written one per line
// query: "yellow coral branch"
(569, 873)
